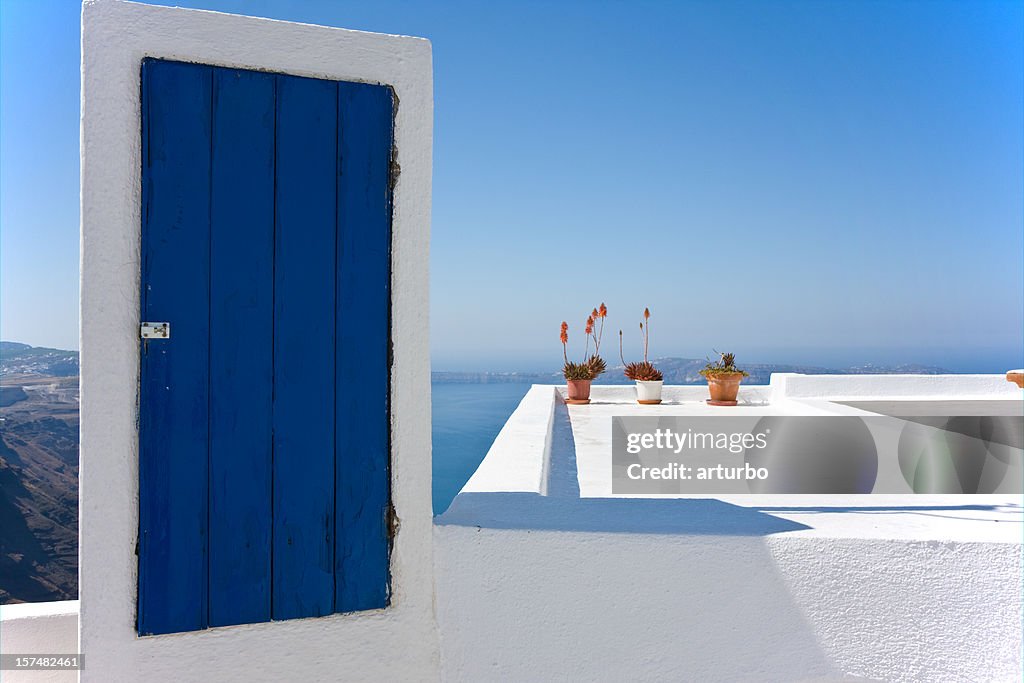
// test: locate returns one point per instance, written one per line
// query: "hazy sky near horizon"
(813, 182)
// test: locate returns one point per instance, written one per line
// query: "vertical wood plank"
(173, 405)
(241, 346)
(304, 305)
(363, 327)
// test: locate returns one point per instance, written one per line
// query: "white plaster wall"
(39, 628)
(843, 387)
(529, 605)
(399, 643)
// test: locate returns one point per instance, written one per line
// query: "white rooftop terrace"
(600, 586)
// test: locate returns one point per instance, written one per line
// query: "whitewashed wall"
(39, 628)
(529, 605)
(399, 643)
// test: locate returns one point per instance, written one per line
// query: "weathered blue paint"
(264, 431)
(241, 346)
(174, 382)
(304, 347)
(363, 320)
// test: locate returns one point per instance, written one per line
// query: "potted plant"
(723, 379)
(578, 376)
(649, 380)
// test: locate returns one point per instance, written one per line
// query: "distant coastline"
(22, 359)
(685, 371)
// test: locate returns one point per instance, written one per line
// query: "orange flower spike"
(647, 313)
(595, 315)
(590, 326)
(564, 336)
(602, 312)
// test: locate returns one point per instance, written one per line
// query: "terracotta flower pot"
(578, 389)
(724, 388)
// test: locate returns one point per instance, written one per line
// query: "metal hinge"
(395, 169)
(155, 330)
(391, 521)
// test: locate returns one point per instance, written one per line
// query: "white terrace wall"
(532, 578)
(399, 643)
(39, 628)
(631, 606)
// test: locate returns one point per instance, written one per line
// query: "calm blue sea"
(467, 417)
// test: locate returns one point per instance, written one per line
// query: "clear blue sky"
(807, 182)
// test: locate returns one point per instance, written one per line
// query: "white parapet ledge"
(550, 468)
(37, 610)
(518, 458)
(848, 387)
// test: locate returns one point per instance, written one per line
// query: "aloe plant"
(725, 365)
(643, 371)
(593, 365)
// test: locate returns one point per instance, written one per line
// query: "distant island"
(684, 371)
(22, 359)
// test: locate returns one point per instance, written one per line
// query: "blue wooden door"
(264, 430)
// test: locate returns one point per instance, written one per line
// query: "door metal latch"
(155, 330)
